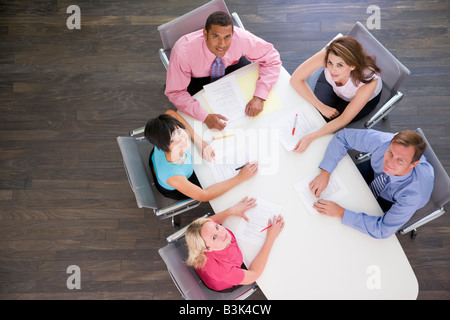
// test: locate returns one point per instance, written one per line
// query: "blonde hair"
(196, 244)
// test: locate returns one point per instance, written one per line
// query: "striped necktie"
(378, 184)
(217, 69)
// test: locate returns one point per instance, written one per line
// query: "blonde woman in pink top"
(348, 89)
(215, 255)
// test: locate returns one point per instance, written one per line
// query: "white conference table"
(315, 256)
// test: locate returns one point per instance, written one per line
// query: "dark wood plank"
(65, 95)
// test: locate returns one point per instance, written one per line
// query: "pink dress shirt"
(190, 57)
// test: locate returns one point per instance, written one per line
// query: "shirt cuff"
(202, 114)
(261, 93)
(348, 218)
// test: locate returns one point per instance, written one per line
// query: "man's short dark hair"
(219, 18)
(159, 131)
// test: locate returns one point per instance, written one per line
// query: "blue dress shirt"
(408, 193)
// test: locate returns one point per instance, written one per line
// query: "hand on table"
(254, 107)
(216, 121)
(329, 208)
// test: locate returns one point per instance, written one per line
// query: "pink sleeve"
(236, 276)
(177, 81)
(257, 49)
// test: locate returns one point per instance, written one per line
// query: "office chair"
(136, 153)
(439, 197)
(186, 278)
(393, 73)
(192, 21)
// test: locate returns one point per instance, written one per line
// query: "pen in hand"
(269, 226)
(295, 124)
(239, 168)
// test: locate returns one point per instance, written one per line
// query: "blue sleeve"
(362, 140)
(386, 225)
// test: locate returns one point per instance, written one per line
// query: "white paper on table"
(225, 97)
(304, 124)
(334, 191)
(230, 153)
(258, 220)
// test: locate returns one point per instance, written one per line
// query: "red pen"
(295, 123)
(269, 226)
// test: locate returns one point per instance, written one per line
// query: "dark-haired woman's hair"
(351, 51)
(159, 131)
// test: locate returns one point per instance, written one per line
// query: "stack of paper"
(229, 96)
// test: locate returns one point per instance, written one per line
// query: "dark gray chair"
(439, 197)
(136, 153)
(393, 73)
(194, 20)
(186, 278)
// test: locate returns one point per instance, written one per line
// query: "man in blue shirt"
(402, 177)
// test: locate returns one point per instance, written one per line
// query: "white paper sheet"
(231, 153)
(225, 97)
(258, 220)
(334, 191)
(305, 124)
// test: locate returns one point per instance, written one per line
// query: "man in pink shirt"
(193, 55)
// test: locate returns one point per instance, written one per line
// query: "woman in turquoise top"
(171, 160)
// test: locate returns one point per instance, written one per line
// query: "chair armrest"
(361, 157)
(424, 220)
(238, 21)
(180, 233)
(137, 131)
(177, 235)
(176, 208)
(384, 110)
(164, 58)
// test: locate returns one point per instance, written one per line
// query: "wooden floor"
(65, 95)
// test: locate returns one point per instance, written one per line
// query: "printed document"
(303, 122)
(334, 191)
(258, 220)
(225, 97)
(231, 153)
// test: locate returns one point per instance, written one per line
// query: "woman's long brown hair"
(351, 51)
